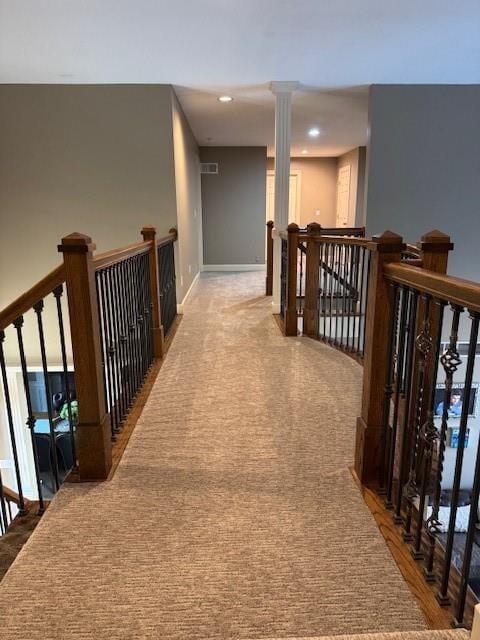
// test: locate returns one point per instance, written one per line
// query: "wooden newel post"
(291, 323)
(312, 270)
(93, 441)
(148, 234)
(269, 278)
(385, 248)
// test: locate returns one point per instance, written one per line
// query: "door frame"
(298, 174)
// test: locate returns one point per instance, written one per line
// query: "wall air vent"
(209, 167)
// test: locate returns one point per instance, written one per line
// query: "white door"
(343, 196)
(293, 198)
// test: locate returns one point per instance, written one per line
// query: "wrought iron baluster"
(367, 280)
(11, 429)
(38, 308)
(116, 305)
(442, 596)
(126, 334)
(428, 438)
(18, 324)
(330, 291)
(113, 348)
(121, 337)
(423, 345)
(350, 249)
(58, 292)
(408, 357)
(323, 298)
(106, 346)
(337, 290)
(472, 520)
(450, 361)
(343, 250)
(361, 319)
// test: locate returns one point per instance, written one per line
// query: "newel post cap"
(314, 228)
(270, 224)
(388, 242)
(76, 243)
(293, 228)
(436, 241)
(148, 232)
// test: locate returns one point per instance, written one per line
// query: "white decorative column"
(283, 121)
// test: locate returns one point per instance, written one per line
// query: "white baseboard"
(275, 308)
(180, 305)
(233, 267)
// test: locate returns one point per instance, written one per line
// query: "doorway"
(294, 196)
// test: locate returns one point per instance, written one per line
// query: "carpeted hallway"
(232, 514)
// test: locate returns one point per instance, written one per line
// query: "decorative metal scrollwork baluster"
(450, 361)
(428, 435)
(423, 345)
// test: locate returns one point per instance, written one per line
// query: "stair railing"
(419, 398)
(121, 306)
(324, 282)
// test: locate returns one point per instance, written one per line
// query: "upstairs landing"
(232, 514)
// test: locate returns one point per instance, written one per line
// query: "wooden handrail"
(172, 236)
(26, 301)
(359, 232)
(464, 293)
(10, 495)
(108, 258)
(413, 250)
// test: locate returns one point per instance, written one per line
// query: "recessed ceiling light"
(304, 152)
(314, 132)
(225, 99)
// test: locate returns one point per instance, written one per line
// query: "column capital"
(279, 87)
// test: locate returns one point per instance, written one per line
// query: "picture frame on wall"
(453, 435)
(456, 401)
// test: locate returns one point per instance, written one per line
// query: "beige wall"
(234, 205)
(318, 189)
(188, 198)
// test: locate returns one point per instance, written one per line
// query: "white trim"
(233, 267)
(194, 282)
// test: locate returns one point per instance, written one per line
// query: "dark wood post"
(149, 234)
(269, 261)
(312, 269)
(93, 442)
(385, 248)
(291, 322)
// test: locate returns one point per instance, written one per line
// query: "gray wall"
(95, 159)
(423, 173)
(233, 205)
(424, 166)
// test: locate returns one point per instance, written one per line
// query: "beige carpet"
(232, 514)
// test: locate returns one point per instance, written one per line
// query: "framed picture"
(456, 400)
(452, 437)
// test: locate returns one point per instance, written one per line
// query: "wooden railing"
(357, 232)
(324, 283)
(416, 332)
(118, 302)
(418, 415)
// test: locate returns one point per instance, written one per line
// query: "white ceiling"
(208, 47)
